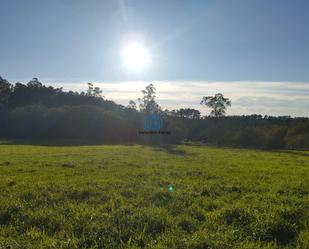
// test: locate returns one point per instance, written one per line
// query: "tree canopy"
(218, 104)
(148, 103)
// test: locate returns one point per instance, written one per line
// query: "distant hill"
(35, 112)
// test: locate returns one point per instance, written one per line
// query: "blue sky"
(74, 41)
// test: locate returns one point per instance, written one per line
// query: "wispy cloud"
(248, 97)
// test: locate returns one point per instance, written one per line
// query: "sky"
(256, 52)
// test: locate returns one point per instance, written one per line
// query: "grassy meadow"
(183, 196)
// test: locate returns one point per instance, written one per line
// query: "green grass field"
(151, 197)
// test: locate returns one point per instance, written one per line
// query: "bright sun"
(136, 57)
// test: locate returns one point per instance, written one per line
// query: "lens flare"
(170, 188)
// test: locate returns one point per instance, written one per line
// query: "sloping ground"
(152, 197)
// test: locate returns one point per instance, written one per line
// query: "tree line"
(35, 112)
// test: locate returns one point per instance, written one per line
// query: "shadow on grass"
(56, 143)
(295, 152)
(170, 149)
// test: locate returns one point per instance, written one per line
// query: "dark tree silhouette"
(218, 104)
(34, 83)
(90, 89)
(186, 113)
(132, 105)
(37, 112)
(5, 91)
(94, 91)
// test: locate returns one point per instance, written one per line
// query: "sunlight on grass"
(122, 197)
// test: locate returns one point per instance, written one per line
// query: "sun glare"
(136, 57)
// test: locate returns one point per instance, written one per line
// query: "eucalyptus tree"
(218, 103)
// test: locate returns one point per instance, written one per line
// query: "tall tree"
(218, 104)
(94, 91)
(90, 89)
(147, 102)
(97, 92)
